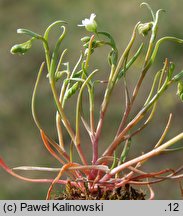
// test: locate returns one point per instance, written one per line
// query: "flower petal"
(92, 16)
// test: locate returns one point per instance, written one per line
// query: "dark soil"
(122, 193)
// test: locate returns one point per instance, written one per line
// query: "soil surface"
(123, 193)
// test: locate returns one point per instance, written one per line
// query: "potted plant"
(112, 174)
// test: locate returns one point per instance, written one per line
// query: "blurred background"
(20, 142)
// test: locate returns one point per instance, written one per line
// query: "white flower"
(90, 24)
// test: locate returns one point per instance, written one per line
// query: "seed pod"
(71, 91)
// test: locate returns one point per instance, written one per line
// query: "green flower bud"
(90, 24)
(171, 70)
(180, 89)
(21, 48)
(95, 44)
(144, 28)
(85, 39)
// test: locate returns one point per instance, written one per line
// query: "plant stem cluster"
(106, 170)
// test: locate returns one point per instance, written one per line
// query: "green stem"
(92, 119)
(89, 52)
(61, 111)
(112, 81)
(34, 96)
(109, 151)
(45, 41)
(143, 157)
(78, 107)
(47, 53)
(53, 65)
(78, 116)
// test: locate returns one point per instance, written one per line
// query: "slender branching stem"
(138, 117)
(164, 132)
(111, 83)
(145, 156)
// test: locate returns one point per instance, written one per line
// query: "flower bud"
(171, 70)
(21, 48)
(85, 39)
(144, 28)
(180, 89)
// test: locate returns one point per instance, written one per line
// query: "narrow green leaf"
(112, 42)
(131, 61)
(29, 33)
(173, 149)
(55, 55)
(125, 151)
(158, 43)
(113, 57)
(51, 26)
(178, 76)
(77, 74)
(114, 164)
(34, 114)
(149, 8)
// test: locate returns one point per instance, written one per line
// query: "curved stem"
(34, 96)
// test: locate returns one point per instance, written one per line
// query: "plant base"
(123, 193)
